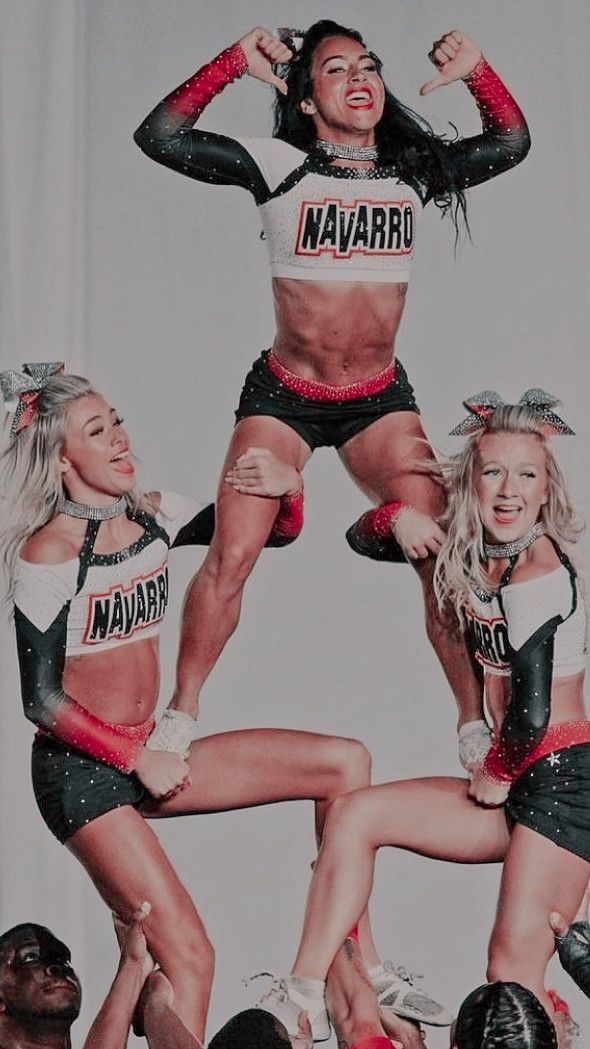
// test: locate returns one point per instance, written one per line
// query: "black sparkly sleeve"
(529, 709)
(167, 134)
(41, 656)
(504, 141)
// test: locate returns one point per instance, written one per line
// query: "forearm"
(529, 710)
(165, 134)
(110, 1029)
(504, 141)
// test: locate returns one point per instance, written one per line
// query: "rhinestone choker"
(344, 151)
(499, 550)
(92, 513)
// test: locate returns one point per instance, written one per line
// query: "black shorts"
(321, 423)
(553, 798)
(72, 788)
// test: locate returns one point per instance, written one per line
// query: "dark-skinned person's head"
(37, 982)
(503, 1016)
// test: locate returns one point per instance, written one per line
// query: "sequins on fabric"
(192, 97)
(323, 391)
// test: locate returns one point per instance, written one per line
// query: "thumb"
(431, 85)
(558, 924)
(304, 1025)
(278, 83)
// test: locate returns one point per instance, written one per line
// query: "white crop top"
(113, 599)
(327, 223)
(527, 606)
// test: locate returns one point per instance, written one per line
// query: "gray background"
(157, 287)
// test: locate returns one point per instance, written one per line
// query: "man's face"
(36, 978)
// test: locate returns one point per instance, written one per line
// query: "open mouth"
(122, 462)
(506, 513)
(361, 98)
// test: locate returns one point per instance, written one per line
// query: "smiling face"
(348, 94)
(511, 484)
(36, 978)
(95, 461)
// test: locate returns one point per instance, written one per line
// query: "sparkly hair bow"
(482, 405)
(26, 387)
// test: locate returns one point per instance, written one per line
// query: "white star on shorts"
(553, 759)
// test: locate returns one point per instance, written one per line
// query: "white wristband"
(475, 739)
(174, 732)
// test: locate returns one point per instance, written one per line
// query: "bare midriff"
(336, 332)
(120, 685)
(567, 699)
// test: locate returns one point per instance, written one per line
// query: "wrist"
(478, 68)
(297, 487)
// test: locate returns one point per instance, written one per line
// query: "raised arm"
(505, 139)
(167, 134)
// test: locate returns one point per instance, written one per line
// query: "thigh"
(433, 817)
(238, 515)
(234, 770)
(128, 865)
(389, 460)
(538, 877)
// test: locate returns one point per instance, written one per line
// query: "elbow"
(522, 145)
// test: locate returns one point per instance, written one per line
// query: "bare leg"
(353, 1007)
(383, 461)
(163, 1028)
(128, 865)
(257, 766)
(538, 878)
(433, 817)
(242, 526)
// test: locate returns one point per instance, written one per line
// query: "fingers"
(272, 46)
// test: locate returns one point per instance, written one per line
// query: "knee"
(179, 941)
(196, 954)
(345, 823)
(352, 762)
(228, 564)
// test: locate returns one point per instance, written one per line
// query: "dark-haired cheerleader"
(340, 189)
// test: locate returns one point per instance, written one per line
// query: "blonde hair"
(459, 562)
(31, 478)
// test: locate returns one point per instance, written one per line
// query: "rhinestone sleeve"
(168, 137)
(42, 659)
(289, 520)
(527, 717)
(505, 139)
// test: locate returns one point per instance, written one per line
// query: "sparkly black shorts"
(321, 423)
(72, 789)
(553, 798)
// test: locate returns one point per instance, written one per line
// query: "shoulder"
(174, 511)
(53, 544)
(541, 558)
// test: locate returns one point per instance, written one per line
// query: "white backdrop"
(157, 287)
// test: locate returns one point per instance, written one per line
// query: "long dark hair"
(406, 141)
(503, 1014)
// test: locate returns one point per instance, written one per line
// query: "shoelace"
(402, 973)
(278, 985)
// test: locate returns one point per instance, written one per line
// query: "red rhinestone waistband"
(323, 391)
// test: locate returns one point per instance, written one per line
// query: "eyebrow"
(360, 57)
(94, 418)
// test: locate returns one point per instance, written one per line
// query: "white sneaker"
(396, 991)
(289, 996)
